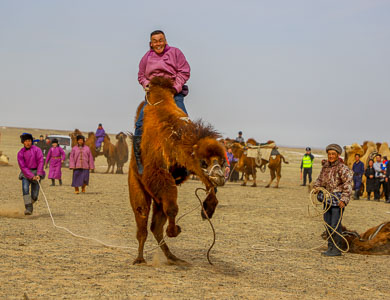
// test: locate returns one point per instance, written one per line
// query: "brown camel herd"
(248, 165)
(117, 154)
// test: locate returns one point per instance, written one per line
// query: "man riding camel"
(336, 178)
(166, 61)
(100, 134)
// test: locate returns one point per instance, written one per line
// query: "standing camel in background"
(109, 151)
(90, 142)
(74, 135)
(122, 152)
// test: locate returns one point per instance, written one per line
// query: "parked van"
(65, 142)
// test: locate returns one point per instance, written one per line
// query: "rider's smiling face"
(158, 42)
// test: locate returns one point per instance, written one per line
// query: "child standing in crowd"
(56, 156)
(30, 160)
(370, 175)
(379, 178)
(81, 161)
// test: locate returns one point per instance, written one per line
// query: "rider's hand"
(341, 204)
(36, 178)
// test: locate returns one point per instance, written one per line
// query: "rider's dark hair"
(157, 32)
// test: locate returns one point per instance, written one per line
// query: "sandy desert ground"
(42, 262)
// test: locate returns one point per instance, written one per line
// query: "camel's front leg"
(171, 209)
(158, 220)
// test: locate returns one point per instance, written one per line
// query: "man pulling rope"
(336, 178)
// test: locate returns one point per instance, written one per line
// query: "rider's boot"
(137, 153)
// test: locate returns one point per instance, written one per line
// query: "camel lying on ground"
(375, 241)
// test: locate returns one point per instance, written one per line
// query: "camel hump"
(163, 82)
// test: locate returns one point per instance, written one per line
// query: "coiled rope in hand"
(322, 208)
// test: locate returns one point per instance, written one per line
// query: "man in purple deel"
(166, 61)
(100, 134)
(30, 160)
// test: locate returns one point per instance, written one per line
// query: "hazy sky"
(299, 72)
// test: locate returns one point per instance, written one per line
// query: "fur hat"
(26, 136)
(80, 137)
(54, 141)
(334, 147)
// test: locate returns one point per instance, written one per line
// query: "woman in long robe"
(81, 161)
(55, 157)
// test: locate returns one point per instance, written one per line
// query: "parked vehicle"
(65, 142)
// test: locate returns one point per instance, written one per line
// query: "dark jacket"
(370, 183)
(358, 168)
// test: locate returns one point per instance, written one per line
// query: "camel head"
(211, 156)
(349, 153)
(350, 236)
(121, 136)
(251, 141)
(160, 88)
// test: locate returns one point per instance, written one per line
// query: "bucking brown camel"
(122, 152)
(172, 147)
(110, 153)
(375, 241)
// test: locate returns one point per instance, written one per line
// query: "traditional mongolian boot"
(76, 190)
(330, 246)
(28, 205)
(334, 251)
(53, 182)
(137, 153)
(356, 196)
(83, 188)
(60, 181)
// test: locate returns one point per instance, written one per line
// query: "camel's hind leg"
(272, 173)
(157, 227)
(254, 177)
(140, 202)
(246, 178)
(278, 175)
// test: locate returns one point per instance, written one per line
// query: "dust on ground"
(43, 262)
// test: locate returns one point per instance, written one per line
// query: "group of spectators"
(44, 144)
(377, 177)
(376, 174)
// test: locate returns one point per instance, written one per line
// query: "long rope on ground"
(321, 208)
(208, 219)
(127, 247)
